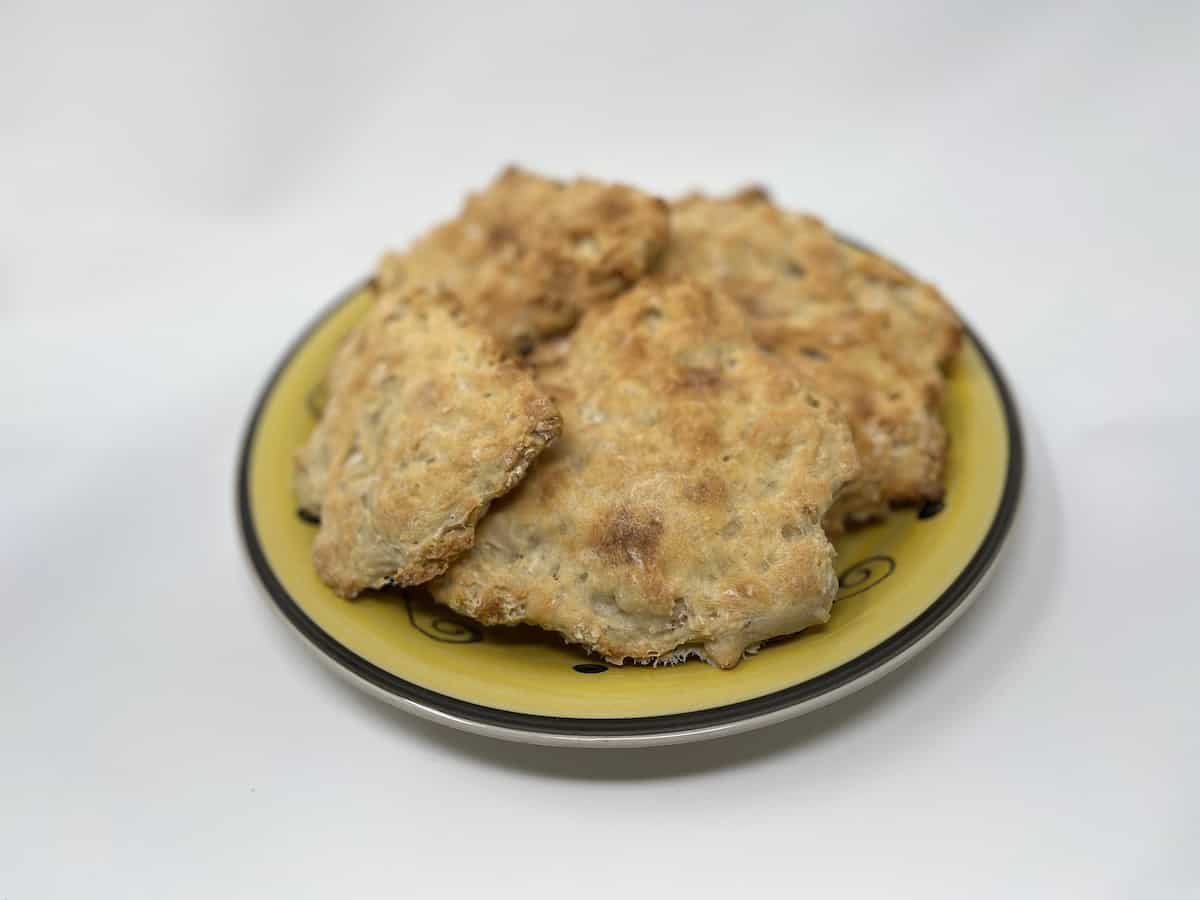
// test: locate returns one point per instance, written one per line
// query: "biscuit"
(528, 254)
(680, 513)
(424, 427)
(852, 324)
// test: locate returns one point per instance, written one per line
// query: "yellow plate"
(902, 582)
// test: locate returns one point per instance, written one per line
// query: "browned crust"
(681, 510)
(854, 325)
(528, 254)
(425, 425)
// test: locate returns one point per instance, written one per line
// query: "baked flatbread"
(680, 513)
(529, 254)
(855, 326)
(425, 425)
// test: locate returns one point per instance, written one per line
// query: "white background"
(182, 187)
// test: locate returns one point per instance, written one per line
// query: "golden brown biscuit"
(529, 254)
(680, 513)
(857, 327)
(425, 425)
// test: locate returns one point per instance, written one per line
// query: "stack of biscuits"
(635, 423)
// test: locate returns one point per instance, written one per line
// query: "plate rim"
(667, 728)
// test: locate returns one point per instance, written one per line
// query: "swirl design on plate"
(862, 576)
(440, 624)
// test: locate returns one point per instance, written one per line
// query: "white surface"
(181, 189)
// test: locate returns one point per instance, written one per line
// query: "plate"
(902, 582)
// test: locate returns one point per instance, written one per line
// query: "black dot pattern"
(931, 509)
(590, 668)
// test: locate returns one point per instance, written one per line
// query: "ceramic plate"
(902, 583)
